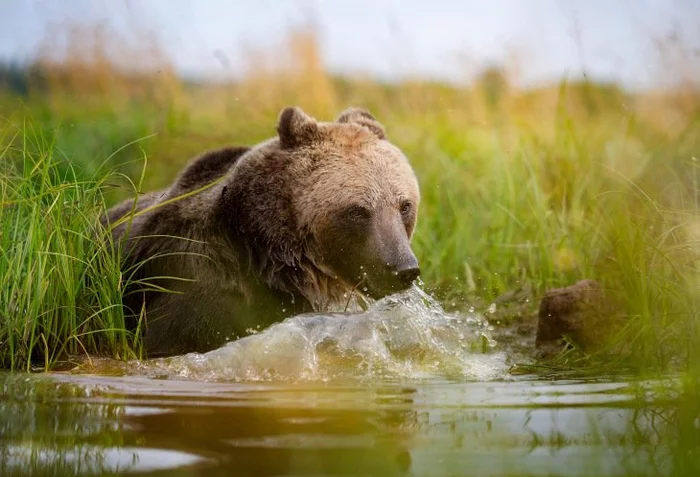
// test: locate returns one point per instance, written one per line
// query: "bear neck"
(323, 292)
(257, 213)
(294, 272)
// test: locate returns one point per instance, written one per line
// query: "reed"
(521, 189)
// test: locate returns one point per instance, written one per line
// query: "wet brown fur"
(252, 248)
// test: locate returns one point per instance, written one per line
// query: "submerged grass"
(521, 190)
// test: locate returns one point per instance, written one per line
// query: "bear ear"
(363, 118)
(295, 127)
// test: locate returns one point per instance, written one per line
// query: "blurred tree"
(493, 82)
(13, 78)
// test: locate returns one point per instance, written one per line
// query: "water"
(92, 425)
(405, 336)
(402, 389)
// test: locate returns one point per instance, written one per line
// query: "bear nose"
(407, 275)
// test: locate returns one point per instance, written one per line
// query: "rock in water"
(580, 312)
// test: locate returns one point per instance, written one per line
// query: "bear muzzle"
(393, 276)
(408, 274)
(405, 271)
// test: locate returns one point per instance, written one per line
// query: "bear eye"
(406, 207)
(357, 213)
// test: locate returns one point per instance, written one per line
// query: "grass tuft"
(60, 284)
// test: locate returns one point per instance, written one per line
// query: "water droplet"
(492, 308)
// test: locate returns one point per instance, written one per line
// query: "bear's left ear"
(295, 127)
(363, 118)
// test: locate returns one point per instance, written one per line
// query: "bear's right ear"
(295, 127)
(363, 118)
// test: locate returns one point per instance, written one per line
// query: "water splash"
(404, 336)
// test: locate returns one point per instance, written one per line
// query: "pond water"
(401, 389)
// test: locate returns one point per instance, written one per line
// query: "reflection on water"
(89, 425)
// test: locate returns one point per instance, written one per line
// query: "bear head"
(327, 207)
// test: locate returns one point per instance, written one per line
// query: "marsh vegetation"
(523, 190)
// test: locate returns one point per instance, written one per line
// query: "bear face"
(346, 201)
(359, 206)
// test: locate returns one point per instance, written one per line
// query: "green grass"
(60, 284)
(537, 190)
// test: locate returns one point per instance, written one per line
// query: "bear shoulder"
(200, 171)
(134, 205)
(206, 168)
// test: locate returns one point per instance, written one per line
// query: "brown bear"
(248, 236)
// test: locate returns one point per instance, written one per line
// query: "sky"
(543, 40)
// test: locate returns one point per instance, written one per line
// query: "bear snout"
(407, 275)
(396, 277)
